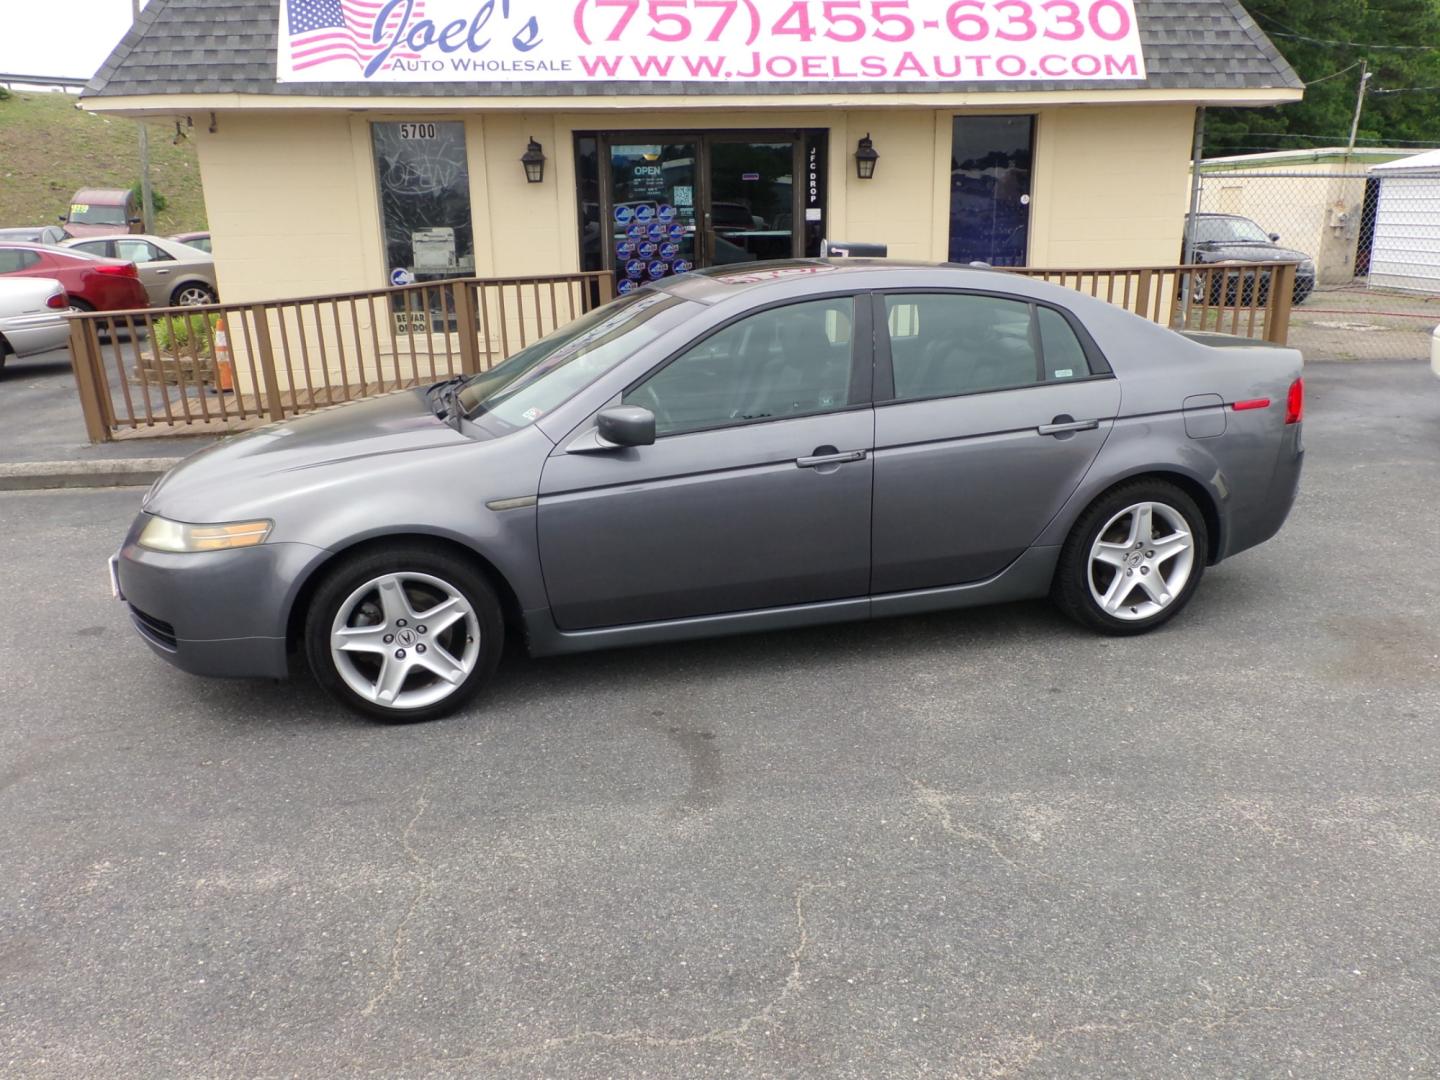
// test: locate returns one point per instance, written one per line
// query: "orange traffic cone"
(223, 368)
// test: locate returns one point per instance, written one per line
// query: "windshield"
(1229, 230)
(538, 378)
(97, 214)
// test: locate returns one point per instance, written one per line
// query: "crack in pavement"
(938, 803)
(426, 879)
(1022, 1050)
(638, 1037)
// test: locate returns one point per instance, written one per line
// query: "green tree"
(1307, 33)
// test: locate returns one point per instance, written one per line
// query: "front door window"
(788, 361)
(990, 189)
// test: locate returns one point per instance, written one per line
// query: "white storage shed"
(1406, 251)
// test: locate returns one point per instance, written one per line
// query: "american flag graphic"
(340, 31)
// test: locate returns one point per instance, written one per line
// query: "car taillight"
(59, 302)
(122, 270)
(1295, 402)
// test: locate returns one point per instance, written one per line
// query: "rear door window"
(948, 344)
(140, 252)
(14, 260)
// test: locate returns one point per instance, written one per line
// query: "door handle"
(1062, 426)
(830, 459)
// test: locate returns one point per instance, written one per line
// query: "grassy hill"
(49, 149)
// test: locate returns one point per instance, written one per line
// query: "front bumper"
(222, 613)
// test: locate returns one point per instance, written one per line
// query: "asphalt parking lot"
(981, 844)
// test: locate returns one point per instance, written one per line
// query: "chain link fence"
(1368, 287)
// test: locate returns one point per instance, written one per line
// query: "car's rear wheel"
(406, 634)
(1133, 560)
(192, 294)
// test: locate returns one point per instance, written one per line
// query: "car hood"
(1252, 253)
(237, 473)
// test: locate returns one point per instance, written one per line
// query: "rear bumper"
(220, 613)
(1262, 518)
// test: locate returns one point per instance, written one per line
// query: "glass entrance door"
(751, 208)
(990, 189)
(676, 202)
(653, 209)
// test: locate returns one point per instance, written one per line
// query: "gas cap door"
(1204, 416)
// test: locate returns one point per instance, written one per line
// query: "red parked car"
(94, 283)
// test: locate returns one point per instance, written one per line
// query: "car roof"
(716, 284)
(53, 249)
(101, 195)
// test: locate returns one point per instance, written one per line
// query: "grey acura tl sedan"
(731, 450)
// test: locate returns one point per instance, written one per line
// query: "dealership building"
(347, 144)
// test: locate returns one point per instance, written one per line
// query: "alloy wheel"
(1141, 561)
(193, 296)
(405, 640)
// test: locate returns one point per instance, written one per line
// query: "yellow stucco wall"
(294, 211)
(1111, 186)
(291, 202)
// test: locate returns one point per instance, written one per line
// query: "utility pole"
(1359, 104)
(147, 193)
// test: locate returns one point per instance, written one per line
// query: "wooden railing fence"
(227, 367)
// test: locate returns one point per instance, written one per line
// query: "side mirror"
(61, 218)
(1274, 236)
(626, 425)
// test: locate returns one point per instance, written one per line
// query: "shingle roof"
(201, 47)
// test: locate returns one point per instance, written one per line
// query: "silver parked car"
(174, 274)
(32, 317)
(731, 450)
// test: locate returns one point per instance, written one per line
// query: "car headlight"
(1307, 266)
(162, 534)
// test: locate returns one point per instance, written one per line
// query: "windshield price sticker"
(717, 41)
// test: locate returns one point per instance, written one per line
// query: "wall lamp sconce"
(534, 161)
(865, 158)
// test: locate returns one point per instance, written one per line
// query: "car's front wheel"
(1133, 560)
(405, 634)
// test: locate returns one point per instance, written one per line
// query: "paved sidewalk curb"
(38, 475)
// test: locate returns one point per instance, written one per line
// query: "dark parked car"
(94, 284)
(1223, 238)
(746, 448)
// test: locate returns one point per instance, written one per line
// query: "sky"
(60, 37)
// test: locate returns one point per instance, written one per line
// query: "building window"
(424, 181)
(587, 180)
(990, 189)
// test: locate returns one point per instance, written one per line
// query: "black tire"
(186, 294)
(337, 590)
(1300, 295)
(1071, 588)
(4, 353)
(81, 305)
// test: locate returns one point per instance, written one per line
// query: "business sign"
(526, 41)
